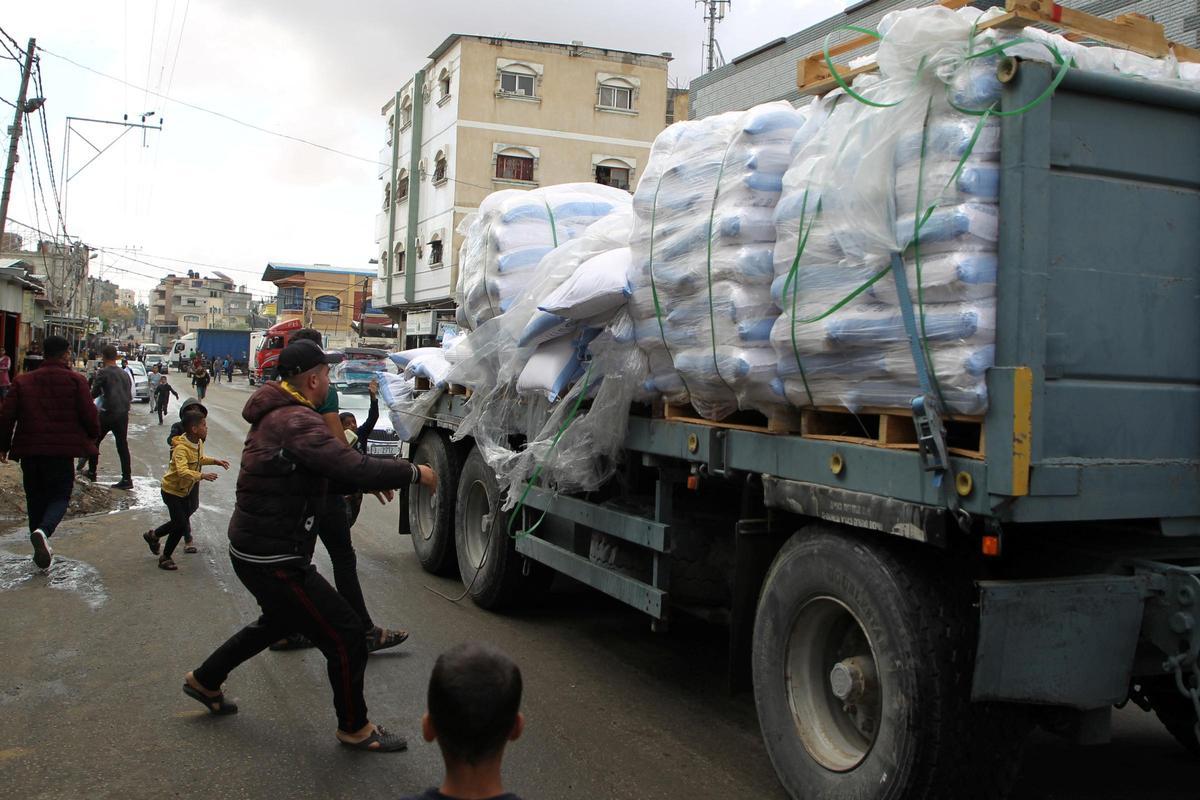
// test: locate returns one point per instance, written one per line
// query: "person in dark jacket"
(162, 397)
(114, 387)
(55, 421)
(333, 527)
(289, 457)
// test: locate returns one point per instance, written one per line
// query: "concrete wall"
(771, 75)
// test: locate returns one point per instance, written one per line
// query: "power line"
(219, 114)
(178, 46)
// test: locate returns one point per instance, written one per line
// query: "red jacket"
(52, 410)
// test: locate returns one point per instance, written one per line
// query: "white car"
(141, 382)
(153, 360)
(351, 378)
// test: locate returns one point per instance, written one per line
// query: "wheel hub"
(833, 684)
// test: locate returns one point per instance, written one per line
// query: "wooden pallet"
(421, 384)
(892, 429)
(455, 389)
(782, 421)
(1129, 32)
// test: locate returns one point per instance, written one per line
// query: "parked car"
(351, 378)
(141, 382)
(154, 360)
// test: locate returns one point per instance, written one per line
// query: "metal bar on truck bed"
(630, 527)
(627, 590)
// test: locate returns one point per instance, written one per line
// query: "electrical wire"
(219, 114)
(178, 47)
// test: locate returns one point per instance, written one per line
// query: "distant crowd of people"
(304, 467)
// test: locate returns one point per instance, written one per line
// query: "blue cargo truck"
(902, 637)
(219, 343)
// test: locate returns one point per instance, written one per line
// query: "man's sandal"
(380, 741)
(190, 548)
(216, 704)
(167, 564)
(382, 639)
(152, 541)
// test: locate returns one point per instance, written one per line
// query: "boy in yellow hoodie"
(187, 457)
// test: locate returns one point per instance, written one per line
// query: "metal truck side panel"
(1062, 642)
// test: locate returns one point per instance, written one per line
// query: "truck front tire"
(493, 572)
(862, 661)
(431, 516)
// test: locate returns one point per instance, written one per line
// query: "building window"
(190, 318)
(616, 96)
(514, 168)
(615, 176)
(435, 252)
(398, 261)
(383, 264)
(517, 83)
(291, 298)
(443, 84)
(387, 196)
(439, 167)
(327, 304)
(402, 185)
(405, 112)
(391, 127)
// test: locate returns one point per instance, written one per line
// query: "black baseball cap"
(301, 356)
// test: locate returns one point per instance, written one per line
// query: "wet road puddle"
(64, 574)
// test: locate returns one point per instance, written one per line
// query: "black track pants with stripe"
(296, 599)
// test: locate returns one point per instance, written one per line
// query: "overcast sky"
(209, 190)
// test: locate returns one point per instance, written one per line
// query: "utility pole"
(14, 133)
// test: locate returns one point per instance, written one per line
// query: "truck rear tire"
(431, 516)
(492, 570)
(862, 665)
(1178, 716)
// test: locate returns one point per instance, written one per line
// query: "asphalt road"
(95, 650)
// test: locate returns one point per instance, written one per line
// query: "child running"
(187, 457)
(162, 397)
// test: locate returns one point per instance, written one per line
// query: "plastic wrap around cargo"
(505, 241)
(701, 247)
(557, 368)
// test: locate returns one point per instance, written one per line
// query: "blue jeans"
(48, 482)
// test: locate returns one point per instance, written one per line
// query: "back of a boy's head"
(191, 419)
(474, 697)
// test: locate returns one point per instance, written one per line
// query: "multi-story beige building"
(331, 299)
(490, 113)
(179, 305)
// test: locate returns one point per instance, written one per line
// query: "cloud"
(209, 190)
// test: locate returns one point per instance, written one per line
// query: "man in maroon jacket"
(289, 456)
(56, 422)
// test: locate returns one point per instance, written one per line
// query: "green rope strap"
(553, 224)
(537, 471)
(658, 311)
(712, 316)
(792, 281)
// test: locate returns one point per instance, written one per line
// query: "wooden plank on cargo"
(1132, 32)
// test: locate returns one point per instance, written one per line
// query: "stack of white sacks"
(861, 180)
(513, 230)
(702, 244)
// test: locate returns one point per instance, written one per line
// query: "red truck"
(277, 337)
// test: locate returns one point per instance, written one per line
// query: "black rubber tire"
(1178, 716)
(931, 742)
(500, 582)
(435, 546)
